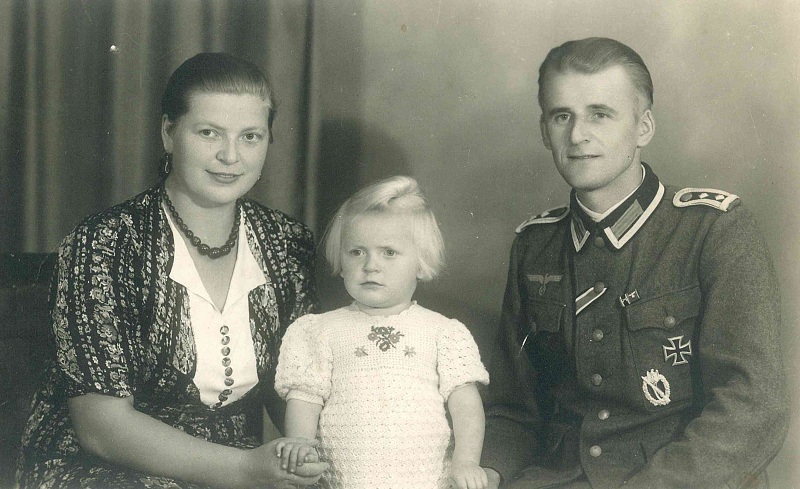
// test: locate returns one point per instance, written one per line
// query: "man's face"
(593, 125)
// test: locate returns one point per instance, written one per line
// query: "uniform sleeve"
(93, 292)
(513, 424)
(744, 418)
(458, 359)
(304, 364)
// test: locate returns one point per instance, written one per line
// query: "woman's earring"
(167, 163)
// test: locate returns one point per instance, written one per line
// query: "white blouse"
(211, 326)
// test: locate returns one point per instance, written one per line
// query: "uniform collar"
(621, 224)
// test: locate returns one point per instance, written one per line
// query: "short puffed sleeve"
(305, 362)
(95, 292)
(458, 360)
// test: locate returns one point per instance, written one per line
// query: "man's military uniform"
(641, 350)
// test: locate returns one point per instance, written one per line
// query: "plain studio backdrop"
(444, 91)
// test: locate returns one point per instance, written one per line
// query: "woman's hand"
(263, 465)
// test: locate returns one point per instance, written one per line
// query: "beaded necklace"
(203, 248)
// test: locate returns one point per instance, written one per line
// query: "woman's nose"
(228, 153)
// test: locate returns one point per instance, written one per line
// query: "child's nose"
(371, 264)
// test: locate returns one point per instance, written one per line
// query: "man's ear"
(167, 127)
(545, 134)
(647, 128)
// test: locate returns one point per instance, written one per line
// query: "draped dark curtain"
(80, 84)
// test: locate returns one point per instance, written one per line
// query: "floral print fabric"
(122, 328)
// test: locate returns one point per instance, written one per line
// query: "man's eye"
(206, 132)
(561, 118)
(252, 137)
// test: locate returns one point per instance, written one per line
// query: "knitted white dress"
(383, 382)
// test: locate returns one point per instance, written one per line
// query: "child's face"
(380, 265)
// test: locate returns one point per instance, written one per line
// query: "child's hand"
(467, 475)
(294, 454)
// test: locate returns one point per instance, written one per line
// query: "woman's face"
(218, 147)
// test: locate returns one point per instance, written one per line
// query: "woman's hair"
(398, 194)
(215, 73)
(595, 54)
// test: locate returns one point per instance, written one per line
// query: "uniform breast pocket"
(544, 341)
(660, 340)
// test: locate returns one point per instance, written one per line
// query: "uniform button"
(686, 197)
(669, 321)
(603, 415)
(598, 287)
(597, 379)
(597, 335)
(599, 241)
(595, 451)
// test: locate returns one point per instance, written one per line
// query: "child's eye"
(390, 253)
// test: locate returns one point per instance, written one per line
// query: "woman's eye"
(355, 252)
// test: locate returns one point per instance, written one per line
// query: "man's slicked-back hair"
(393, 195)
(595, 54)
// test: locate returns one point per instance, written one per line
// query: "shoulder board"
(546, 217)
(718, 199)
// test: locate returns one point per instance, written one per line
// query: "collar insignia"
(656, 388)
(544, 280)
(623, 223)
(677, 350)
(718, 199)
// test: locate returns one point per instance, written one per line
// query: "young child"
(371, 380)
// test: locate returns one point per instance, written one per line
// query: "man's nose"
(579, 132)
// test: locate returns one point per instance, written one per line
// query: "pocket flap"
(545, 315)
(665, 311)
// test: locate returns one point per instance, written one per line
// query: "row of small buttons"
(226, 362)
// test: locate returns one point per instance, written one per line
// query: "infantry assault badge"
(656, 388)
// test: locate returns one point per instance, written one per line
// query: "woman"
(168, 309)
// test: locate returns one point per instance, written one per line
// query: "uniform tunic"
(122, 328)
(640, 350)
(384, 382)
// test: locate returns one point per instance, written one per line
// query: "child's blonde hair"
(400, 194)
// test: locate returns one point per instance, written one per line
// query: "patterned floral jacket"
(122, 327)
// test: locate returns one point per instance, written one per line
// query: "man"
(639, 338)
